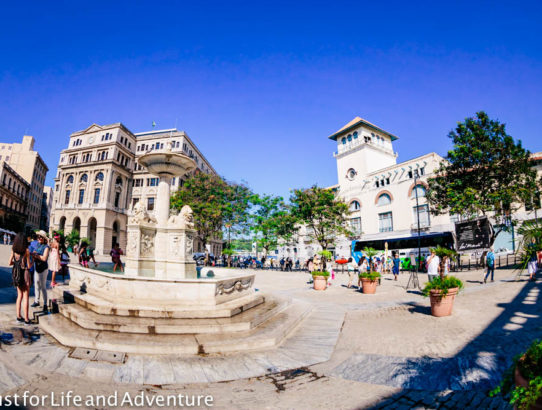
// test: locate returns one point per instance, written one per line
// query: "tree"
(486, 171)
(73, 238)
(215, 202)
(324, 214)
(271, 221)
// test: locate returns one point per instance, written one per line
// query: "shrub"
(442, 284)
(369, 275)
(318, 273)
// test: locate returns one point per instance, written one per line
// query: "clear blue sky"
(260, 85)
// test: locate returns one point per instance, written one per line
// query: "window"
(385, 222)
(152, 181)
(383, 199)
(418, 190)
(117, 199)
(84, 178)
(351, 174)
(118, 181)
(349, 138)
(150, 204)
(97, 195)
(67, 199)
(157, 145)
(100, 176)
(172, 181)
(354, 206)
(138, 182)
(422, 171)
(423, 212)
(355, 226)
(356, 135)
(134, 201)
(81, 196)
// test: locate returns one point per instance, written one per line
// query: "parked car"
(199, 257)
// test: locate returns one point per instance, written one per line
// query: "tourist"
(310, 265)
(54, 258)
(363, 265)
(272, 264)
(396, 265)
(21, 276)
(64, 261)
(533, 262)
(446, 265)
(83, 255)
(490, 261)
(115, 253)
(40, 256)
(433, 263)
(351, 266)
(281, 263)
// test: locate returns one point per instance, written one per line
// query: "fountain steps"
(244, 321)
(153, 310)
(268, 334)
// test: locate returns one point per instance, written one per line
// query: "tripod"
(414, 279)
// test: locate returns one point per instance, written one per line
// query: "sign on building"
(473, 235)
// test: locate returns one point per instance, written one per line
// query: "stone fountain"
(160, 305)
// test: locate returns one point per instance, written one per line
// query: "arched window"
(383, 199)
(349, 138)
(343, 140)
(354, 206)
(100, 176)
(70, 179)
(84, 178)
(355, 135)
(419, 190)
(118, 181)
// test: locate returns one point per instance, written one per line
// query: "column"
(162, 200)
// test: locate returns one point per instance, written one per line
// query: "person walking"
(40, 256)
(396, 265)
(351, 267)
(433, 263)
(115, 253)
(532, 265)
(20, 274)
(54, 259)
(490, 261)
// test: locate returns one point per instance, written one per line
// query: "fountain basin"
(224, 287)
(167, 163)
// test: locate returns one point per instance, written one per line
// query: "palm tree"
(531, 241)
(441, 252)
(370, 253)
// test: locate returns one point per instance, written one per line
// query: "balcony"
(424, 226)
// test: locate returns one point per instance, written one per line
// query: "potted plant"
(369, 280)
(442, 289)
(320, 280)
(522, 383)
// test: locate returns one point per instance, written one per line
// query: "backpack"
(17, 273)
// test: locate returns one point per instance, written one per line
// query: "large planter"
(442, 305)
(319, 282)
(369, 285)
(519, 380)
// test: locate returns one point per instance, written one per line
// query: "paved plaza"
(353, 351)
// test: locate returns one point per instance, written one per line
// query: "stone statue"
(184, 220)
(140, 215)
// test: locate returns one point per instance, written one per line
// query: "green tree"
(486, 171)
(215, 203)
(271, 221)
(73, 238)
(324, 214)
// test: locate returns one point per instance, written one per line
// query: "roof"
(356, 122)
(172, 130)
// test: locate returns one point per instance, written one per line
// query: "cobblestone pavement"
(391, 352)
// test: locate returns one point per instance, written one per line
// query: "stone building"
(46, 208)
(381, 193)
(99, 180)
(13, 199)
(28, 163)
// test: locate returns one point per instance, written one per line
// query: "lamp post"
(414, 274)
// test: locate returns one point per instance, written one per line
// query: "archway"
(62, 224)
(92, 225)
(116, 233)
(76, 224)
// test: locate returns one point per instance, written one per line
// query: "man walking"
(490, 261)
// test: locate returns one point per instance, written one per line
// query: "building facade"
(386, 199)
(46, 208)
(28, 163)
(14, 192)
(99, 180)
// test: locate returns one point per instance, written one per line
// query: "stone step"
(244, 321)
(269, 334)
(180, 311)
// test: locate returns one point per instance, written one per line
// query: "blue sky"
(260, 85)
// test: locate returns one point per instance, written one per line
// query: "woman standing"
(40, 257)
(20, 273)
(351, 266)
(54, 258)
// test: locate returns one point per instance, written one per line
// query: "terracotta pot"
(369, 285)
(319, 282)
(519, 380)
(442, 305)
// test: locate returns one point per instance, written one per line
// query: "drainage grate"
(113, 357)
(82, 353)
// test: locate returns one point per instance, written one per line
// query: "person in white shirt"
(433, 263)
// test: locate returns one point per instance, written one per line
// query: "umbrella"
(341, 261)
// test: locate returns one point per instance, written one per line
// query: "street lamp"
(414, 274)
